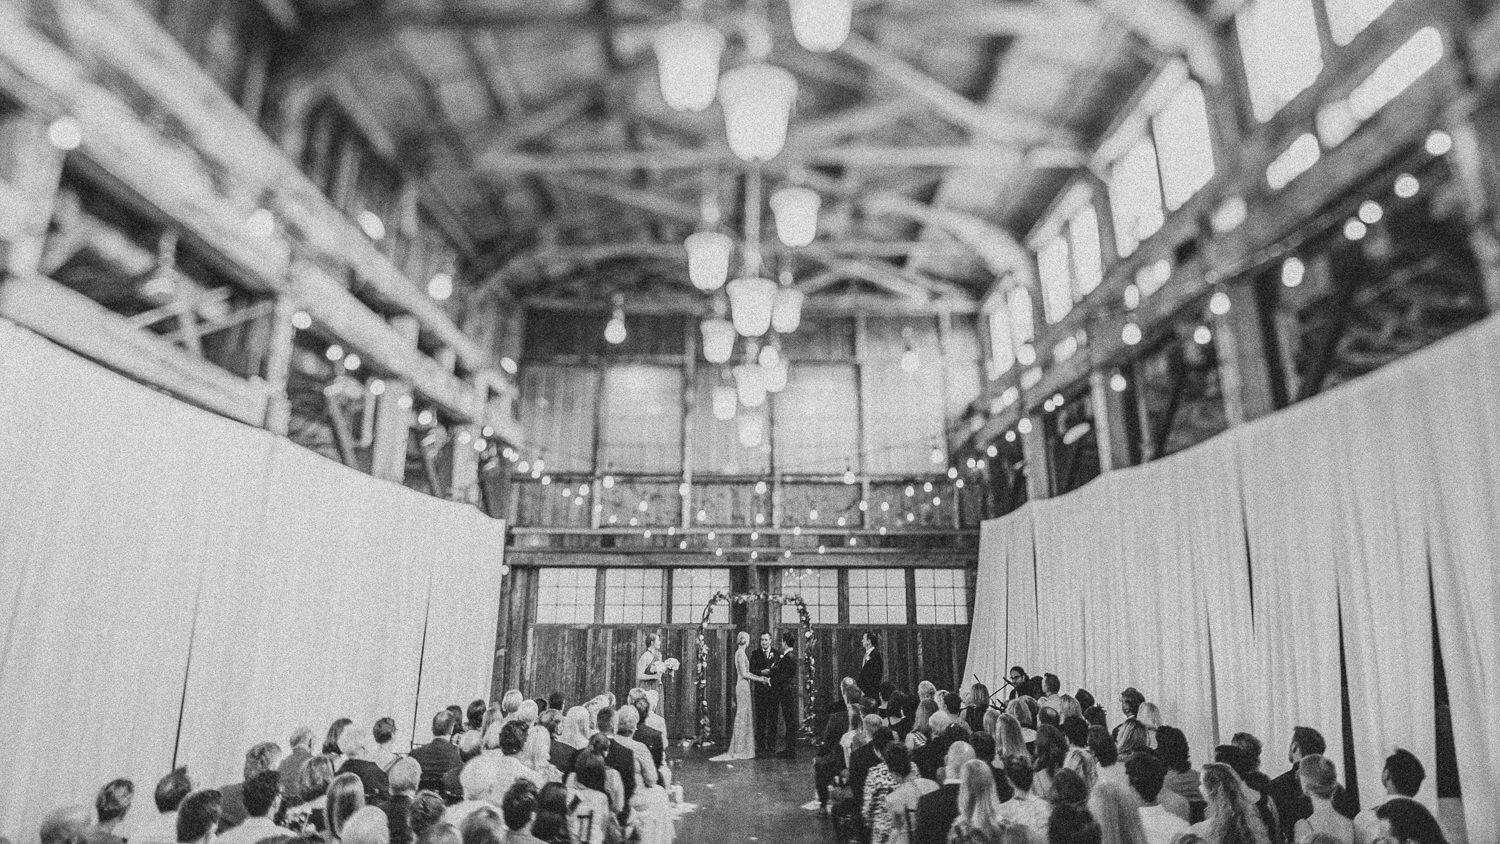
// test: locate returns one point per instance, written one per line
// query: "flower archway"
(809, 680)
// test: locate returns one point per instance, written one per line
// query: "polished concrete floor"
(751, 800)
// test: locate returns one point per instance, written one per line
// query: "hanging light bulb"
(687, 61)
(910, 360)
(725, 402)
(751, 300)
(849, 478)
(718, 340)
(775, 376)
(1130, 334)
(769, 356)
(614, 330)
(750, 384)
(786, 313)
(937, 457)
(708, 259)
(750, 427)
(757, 99)
(796, 210)
(821, 25)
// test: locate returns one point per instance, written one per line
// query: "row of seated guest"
(518, 771)
(963, 769)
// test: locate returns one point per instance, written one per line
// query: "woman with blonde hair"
(1320, 780)
(1018, 710)
(1118, 813)
(1230, 817)
(510, 704)
(1082, 763)
(574, 731)
(1067, 707)
(980, 820)
(921, 730)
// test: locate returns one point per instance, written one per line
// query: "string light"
(1438, 143)
(334, 352)
(1355, 229)
(760, 487)
(65, 133)
(609, 481)
(352, 362)
(1024, 426)
(937, 457)
(849, 478)
(376, 386)
(614, 330)
(952, 472)
(1202, 335)
(1370, 212)
(1407, 186)
(1118, 383)
(927, 486)
(1292, 271)
(1010, 436)
(992, 451)
(440, 287)
(1219, 303)
(1130, 334)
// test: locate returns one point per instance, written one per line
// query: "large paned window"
(1281, 52)
(942, 596)
(565, 596)
(877, 596)
(1083, 244)
(1184, 147)
(1022, 323)
(1057, 281)
(632, 596)
(819, 590)
(1170, 162)
(641, 423)
(691, 590)
(1135, 196)
(1002, 354)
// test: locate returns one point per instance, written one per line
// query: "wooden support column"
(278, 366)
(1109, 422)
(1038, 467)
(30, 170)
(393, 415)
(1474, 165)
(1244, 365)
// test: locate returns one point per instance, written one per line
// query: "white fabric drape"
(171, 581)
(1004, 599)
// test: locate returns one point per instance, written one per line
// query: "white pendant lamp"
(774, 376)
(796, 210)
(718, 340)
(751, 301)
(786, 313)
(750, 384)
(725, 402)
(757, 99)
(821, 25)
(687, 60)
(708, 259)
(751, 428)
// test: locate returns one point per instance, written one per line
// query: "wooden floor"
(752, 800)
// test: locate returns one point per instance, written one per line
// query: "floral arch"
(809, 679)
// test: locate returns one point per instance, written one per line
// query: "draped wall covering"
(172, 583)
(1221, 580)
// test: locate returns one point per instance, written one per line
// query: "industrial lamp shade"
(821, 25)
(796, 210)
(708, 259)
(757, 101)
(725, 402)
(751, 301)
(786, 314)
(718, 340)
(687, 60)
(750, 384)
(751, 428)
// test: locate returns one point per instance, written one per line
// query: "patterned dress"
(878, 786)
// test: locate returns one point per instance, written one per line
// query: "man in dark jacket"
(872, 664)
(1285, 791)
(649, 736)
(620, 758)
(764, 701)
(438, 756)
(784, 692)
(936, 811)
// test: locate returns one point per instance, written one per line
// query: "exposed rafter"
(868, 157)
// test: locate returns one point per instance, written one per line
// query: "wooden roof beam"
(1171, 28)
(866, 157)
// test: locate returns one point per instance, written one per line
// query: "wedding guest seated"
(1105, 753)
(921, 728)
(65, 825)
(198, 816)
(867, 757)
(162, 829)
(979, 820)
(951, 713)
(1047, 760)
(1024, 807)
(559, 753)
(1320, 782)
(357, 743)
(1114, 808)
(1182, 777)
(1402, 776)
(1008, 733)
(438, 756)
(1255, 785)
(405, 777)
(936, 811)
(1082, 763)
(1146, 773)
(331, 741)
(346, 795)
(478, 780)
(366, 826)
(509, 764)
(1070, 821)
(1076, 730)
(617, 757)
(265, 756)
(1405, 821)
(654, 740)
(310, 813)
(984, 750)
(901, 804)
(829, 761)
(301, 743)
(425, 814)
(383, 752)
(551, 823)
(1285, 791)
(518, 808)
(555, 701)
(262, 797)
(1018, 710)
(470, 746)
(595, 805)
(483, 826)
(111, 805)
(626, 721)
(1231, 816)
(878, 785)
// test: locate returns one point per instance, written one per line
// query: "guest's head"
(1076, 730)
(368, 825)
(1017, 675)
(331, 739)
(198, 816)
(458, 717)
(483, 826)
(511, 737)
(984, 747)
(1306, 741)
(519, 804)
(555, 701)
(355, 741)
(1146, 774)
(1134, 737)
(1067, 707)
(1149, 715)
(605, 721)
(1318, 775)
(1172, 749)
(626, 721)
(264, 756)
(478, 777)
(551, 821)
(313, 778)
(528, 712)
(1250, 746)
(1050, 749)
(959, 753)
(1050, 684)
(1405, 821)
(1011, 742)
(405, 776)
(1082, 763)
(1117, 812)
(1403, 774)
(952, 703)
(510, 702)
(898, 758)
(1235, 758)
(474, 715)
(170, 790)
(113, 801)
(575, 727)
(1017, 710)
(979, 696)
(551, 720)
(978, 802)
(1085, 699)
(588, 769)
(1231, 816)
(301, 737)
(470, 744)
(926, 708)
(426, 812)
(1069, 789)
(887, 690)
(384, 730)
(346, 795)
(67, 824)
(1048, 715)
(1072, 824)
(1018, 773)
(262, 793)
(1131, 700)
(443, 833)
(926, 690)
(1096, 716)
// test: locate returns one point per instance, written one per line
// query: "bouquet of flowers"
(663, 666)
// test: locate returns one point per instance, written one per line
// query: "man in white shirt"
(626, 721)
(509, 767)
(1053, 697)
(478, 781)
(162, 829)
(262, 796)
(1146, 773)
(1402, 777)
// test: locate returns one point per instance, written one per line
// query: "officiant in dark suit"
(784, 693)
(764, 699)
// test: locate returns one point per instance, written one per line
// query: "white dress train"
(742, 739)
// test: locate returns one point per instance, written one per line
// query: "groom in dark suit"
(784, 692)
(763, 698)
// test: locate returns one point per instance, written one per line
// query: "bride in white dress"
(742, 740)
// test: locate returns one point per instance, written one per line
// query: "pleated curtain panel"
(178, 587)
(1221, 581)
